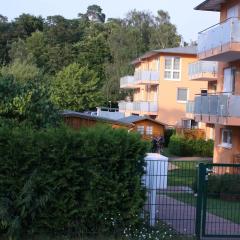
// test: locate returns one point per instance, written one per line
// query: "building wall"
(223, 154)
(170, 110)
(230, 3)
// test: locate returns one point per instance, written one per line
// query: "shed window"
(149, 130)
(140, 129)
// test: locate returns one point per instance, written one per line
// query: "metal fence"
(194, 199)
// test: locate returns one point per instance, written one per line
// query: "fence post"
(200, 195)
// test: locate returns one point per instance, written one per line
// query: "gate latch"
(208, 171)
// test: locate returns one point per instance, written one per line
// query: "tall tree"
(76, 88)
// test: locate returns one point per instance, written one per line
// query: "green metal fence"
(218, 205)
(195, 199)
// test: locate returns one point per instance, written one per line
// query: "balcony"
(147, 77)
(127, 82)
(148, 108)
(221, 109)
(203, 71)
(220, 42)
(190, 109)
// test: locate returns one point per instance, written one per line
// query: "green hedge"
(62, 180)
(182, 146)
(226, 186)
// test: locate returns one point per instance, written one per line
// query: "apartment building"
(221, 106)
(161, 86)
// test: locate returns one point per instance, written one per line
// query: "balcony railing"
(222, 105)
(127, 82)
(203, 69)
(143, 107)
(190, 107)
(219, 35)
(148, 77)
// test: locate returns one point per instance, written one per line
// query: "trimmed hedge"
(62, 180)
(226, 186)
(181, 146)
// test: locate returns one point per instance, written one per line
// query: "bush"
(62, 180)
(167, 135)
(181, 146)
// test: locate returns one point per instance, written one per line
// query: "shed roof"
(189, 50)
(95, 118)
(134, 119)
(211, 5)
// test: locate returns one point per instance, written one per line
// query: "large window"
(172, 68)
(226, 138)
(140, 129)
(182, 94)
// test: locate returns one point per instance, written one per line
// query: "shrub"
(62, 180)
(181, 146)
(167, 135)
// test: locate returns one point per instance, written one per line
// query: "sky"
(188, 21)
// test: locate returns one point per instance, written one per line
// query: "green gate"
(218, 201)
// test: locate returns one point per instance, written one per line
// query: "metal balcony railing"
(190, 107)
(220, 34)
(127, 80)
(222, 105)
(138, 106)
(148, 76)
(201, 67)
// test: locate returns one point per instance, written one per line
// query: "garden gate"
(193, 198)
(218, 201)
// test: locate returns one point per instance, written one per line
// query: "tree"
(27, 103)
(22, 71)
(27, 24)
(76, 88)
(94, 13)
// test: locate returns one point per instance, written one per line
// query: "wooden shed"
(77, 120)
(146, 126)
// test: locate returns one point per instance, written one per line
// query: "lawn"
(226, 209)
(184, 174)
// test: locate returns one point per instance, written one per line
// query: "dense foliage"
(26, 103)
(181, 146)
(48, 46)
(62, 180)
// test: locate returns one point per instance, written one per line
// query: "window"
(226, 138)
(182, 94)
(149, 130)
(140, 129)
(172, 68)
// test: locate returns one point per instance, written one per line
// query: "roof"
(211, 5)
(189, 50)
(134, 119)
(94, 118)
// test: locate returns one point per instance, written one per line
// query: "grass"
(185, 173)
(225, 209)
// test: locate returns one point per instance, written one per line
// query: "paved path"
(181, 217)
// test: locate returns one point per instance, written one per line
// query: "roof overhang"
(211, 5)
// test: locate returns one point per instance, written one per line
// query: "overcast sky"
(188, 21)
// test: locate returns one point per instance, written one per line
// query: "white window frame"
(183, 101)
(227, 144)
(140, 129)
(172, 70)
(149, 130)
